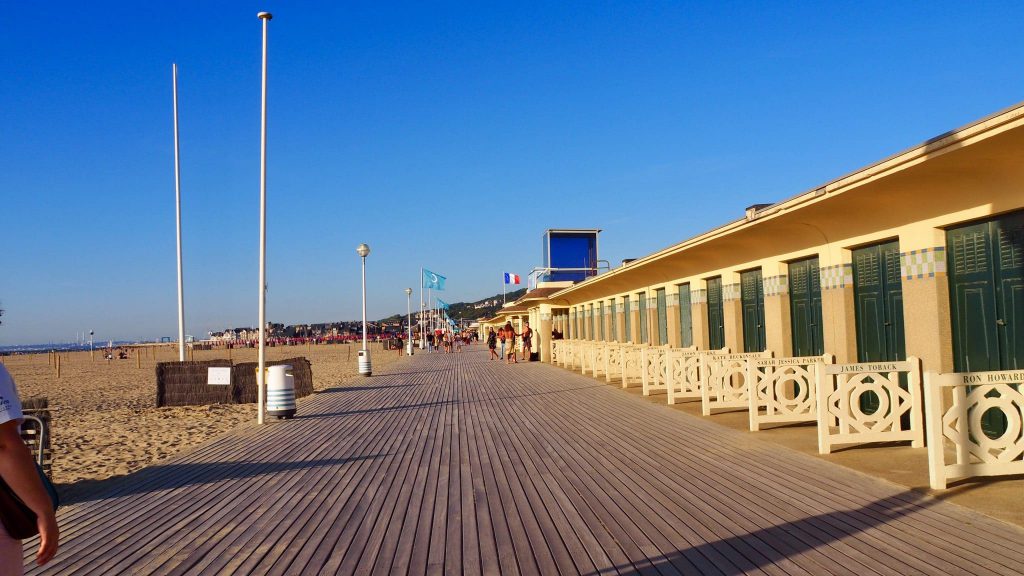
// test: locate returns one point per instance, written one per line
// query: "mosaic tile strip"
(731, 292)
(672, 300)
(776, 285)
(838, 276)
(926, 263)
(698, 296)
(545, 316)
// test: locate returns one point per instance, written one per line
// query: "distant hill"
(471, 310)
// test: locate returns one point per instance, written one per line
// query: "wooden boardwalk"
(452, 464)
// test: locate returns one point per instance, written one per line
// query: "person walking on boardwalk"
(501, 339)
(19, 472)
(527, 341)
(492, 343)
(510, 335)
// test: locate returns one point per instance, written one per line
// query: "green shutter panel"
(615, 320)
(628, 336)
(805, 308)
(716, 314)
(662, 316)
(685, 317)
(643, 318)
(752, 300)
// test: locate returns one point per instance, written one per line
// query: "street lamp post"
(408, 319)
(364, 355)
(261, 389)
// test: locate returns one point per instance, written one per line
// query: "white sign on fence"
(218, 376)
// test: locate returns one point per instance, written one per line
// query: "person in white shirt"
(19, 472)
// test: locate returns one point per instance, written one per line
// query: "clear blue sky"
(433, 132)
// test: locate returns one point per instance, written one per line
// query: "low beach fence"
(188, 383)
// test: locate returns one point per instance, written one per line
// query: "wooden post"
(138, 358)
(58, 366)
(92, 354)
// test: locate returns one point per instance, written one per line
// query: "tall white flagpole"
(502, 288)
(423, 335)
(177, 201)
(260, 375)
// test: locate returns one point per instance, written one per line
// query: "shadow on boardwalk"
(769, 546)
(172, 476)
(398, 408)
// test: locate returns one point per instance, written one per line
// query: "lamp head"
(408, 291)
(363, 250)
(265, 16)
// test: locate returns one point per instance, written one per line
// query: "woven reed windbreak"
(243, 379)
(184, 384)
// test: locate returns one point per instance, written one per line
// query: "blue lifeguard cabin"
(570, 255)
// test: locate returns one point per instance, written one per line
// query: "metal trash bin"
(365, 367)
(280, 391)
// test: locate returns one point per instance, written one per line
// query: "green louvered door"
(614, 324)
(685, 317)
(662, 306)
(752, 300)
(805, 308)
(986, 288)
(716, 314)
(878, 297)
(628, 336)
(644, 337)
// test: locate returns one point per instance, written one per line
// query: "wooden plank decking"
(453, 464)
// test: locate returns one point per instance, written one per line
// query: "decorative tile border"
(672, 300)
(652, 303)
(698, 296)
(926, 263)
(776, 285)
(838, 276)
(731, 292)
(545, 316)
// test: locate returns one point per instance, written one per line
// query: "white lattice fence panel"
(631, 365)
(783, 390)
(654, 370)
(600, 353)
(556, 352)
(586, 356)
(612, 361)
(723, 380)
(682, 371)
(975, 452)
(571, 353)
(842, 421)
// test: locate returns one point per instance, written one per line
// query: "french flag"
(511, 278)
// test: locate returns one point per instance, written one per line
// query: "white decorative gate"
(724, 380)
(843, 420)
(975, 451)
(783, 390)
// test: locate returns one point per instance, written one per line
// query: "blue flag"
(442, 304)
(432, 280)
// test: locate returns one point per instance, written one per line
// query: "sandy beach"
(104, 420)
